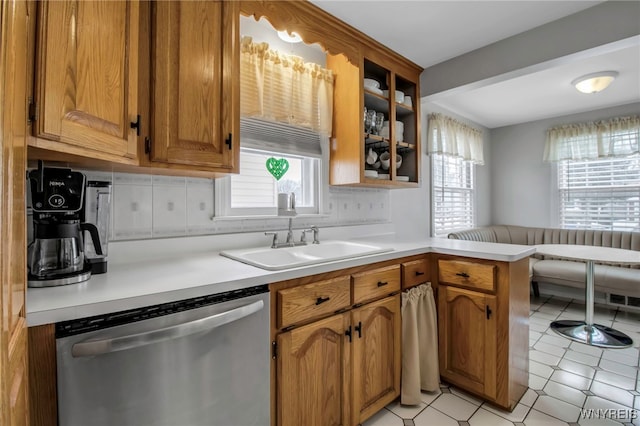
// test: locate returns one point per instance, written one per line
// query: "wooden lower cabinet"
(336, 366)
(483, 327)
(468, 343)
(313, 379)
(376, 356)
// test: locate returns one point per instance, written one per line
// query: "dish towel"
(420, 369)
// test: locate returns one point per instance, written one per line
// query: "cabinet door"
(88, 75)
(376, 356)
(467, 329)
(16, 30)
(312, 374)
(194, 106)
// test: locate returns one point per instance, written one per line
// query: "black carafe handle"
(93, 231)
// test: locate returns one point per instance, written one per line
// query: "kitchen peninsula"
(159, 277)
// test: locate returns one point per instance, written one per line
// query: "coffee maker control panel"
(56, 190)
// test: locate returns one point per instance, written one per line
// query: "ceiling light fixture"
(289, 38)
(595, 82)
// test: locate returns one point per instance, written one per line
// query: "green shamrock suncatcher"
(277, 167)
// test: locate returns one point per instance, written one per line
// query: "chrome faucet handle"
(316, 233)
(274, 243)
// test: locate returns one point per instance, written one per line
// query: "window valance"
(448, 136)
(284, 88)
(618, 137)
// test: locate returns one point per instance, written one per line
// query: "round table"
(586, 331)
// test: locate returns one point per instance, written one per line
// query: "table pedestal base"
(595, 335)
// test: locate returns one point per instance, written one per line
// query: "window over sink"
(255, 192)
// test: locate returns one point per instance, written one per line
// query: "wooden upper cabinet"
(396, 134)
(87, 76)
(195, 85)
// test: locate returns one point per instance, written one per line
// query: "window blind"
(452, 194)
(600, 194)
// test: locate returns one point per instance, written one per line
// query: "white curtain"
(618, 137)
(420, 369)
(448, 136)
(284, 88)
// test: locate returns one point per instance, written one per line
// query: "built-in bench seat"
(623, 280)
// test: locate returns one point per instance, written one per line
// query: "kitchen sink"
(311, 254)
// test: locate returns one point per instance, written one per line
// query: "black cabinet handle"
(358, 328)
(463, 274)
(418, 273)
(382, 283)
(136, 125)
(348, 333)
(321, 300)
(229, 141)
(487, 309)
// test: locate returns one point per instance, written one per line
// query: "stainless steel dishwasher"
(201, 361)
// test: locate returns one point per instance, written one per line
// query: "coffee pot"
(56, 255)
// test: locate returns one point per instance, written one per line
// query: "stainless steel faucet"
(290, 241)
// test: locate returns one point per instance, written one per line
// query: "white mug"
(372, 157)
(384, 160)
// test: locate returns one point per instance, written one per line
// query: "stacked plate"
(372, 85)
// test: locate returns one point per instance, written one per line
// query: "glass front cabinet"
(376, 134)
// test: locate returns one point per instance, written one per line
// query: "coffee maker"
(56, 255)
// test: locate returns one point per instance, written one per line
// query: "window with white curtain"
(452, 194)
(286, 107)
(455, 148)
(600, 194)
(598, 165)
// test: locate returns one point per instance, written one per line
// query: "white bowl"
(383, 176)
(369, 82)
(402, 178)
(399, 96)
(398, 161)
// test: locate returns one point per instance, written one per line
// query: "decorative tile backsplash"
(146, 206)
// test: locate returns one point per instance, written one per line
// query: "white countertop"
(150, 282)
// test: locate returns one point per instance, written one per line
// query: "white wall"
(523, 186)
(411, 208)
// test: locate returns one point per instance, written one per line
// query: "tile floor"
(565, 378)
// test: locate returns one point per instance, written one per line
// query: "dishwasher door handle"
(99, 347)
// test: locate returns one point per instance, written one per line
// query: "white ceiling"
(430, 32)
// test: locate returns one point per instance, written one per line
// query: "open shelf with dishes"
(376, 140)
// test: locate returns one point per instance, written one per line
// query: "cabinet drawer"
(467, 274)
(377, 283)
(414, 273)
(313, 300)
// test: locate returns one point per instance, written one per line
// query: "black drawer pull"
(418, 273)
(382, 283)
(321, 300)
(463, 274)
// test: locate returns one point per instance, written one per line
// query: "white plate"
(402, 178)
(371, 174)
(373, 90)
(383, 176)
